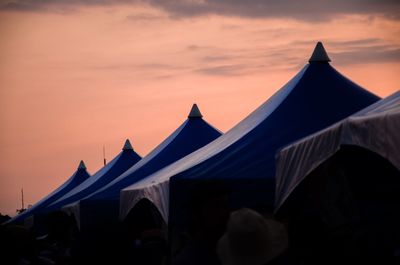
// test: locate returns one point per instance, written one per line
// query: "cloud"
(364, 51)
(359, 42)
(144, 17)
(309, 10)
(214, 58)
(194, 47)
(58, 6)
(139, 67)
(287, 57)
(373, 54)
(225, 70)
(343, 44)
(367, 50)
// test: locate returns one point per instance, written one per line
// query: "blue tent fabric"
(318, 97)
(244, 157)
(40, 207)
(122, 162)
(193, 134)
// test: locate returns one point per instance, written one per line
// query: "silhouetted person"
(250, 239)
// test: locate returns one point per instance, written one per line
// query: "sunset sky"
(76, 75)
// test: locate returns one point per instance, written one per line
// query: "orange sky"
(75, 79)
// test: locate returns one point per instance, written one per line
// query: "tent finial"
(195, 112)
(127, 145)
(82, 165)
(319, 54)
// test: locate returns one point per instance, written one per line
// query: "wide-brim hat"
(250, 239)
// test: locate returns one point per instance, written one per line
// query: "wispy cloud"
(136, 66)
(374, 54)
(357, 51)
(224, 70)
(218, 61)
(359, 42)
(145, 17)
(225, 62)
(310, 10)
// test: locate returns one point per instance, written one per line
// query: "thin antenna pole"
(104, 154)
(22, 198)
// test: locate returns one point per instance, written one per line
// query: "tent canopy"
(194, 133)
(375, 128)
(77, 178)
(123, 161)
(191, 135)
(315, 98)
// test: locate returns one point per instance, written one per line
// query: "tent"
(375, 128)
(77, 178)
(243, 159)
(122, 162)
(340, 187)
(194, 133)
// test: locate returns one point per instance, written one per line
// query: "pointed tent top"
(319, 55)
(82, 165)
(127, 145)
(195, 112)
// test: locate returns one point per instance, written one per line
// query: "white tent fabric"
(156, 192)
(375, 128)
(73, 209)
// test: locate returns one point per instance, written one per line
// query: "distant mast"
(22, 202)
(104, 155)
(22, 199)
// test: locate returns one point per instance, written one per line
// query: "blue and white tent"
(244, 157)
(339, 189)
(193, 134)
(122, 162)
(375, 128)
(77, 178)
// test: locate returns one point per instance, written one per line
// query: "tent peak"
(195, 112)
(127, 145)
(319, 54)
(82, 165)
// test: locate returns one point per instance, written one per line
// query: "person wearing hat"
(250, 239)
